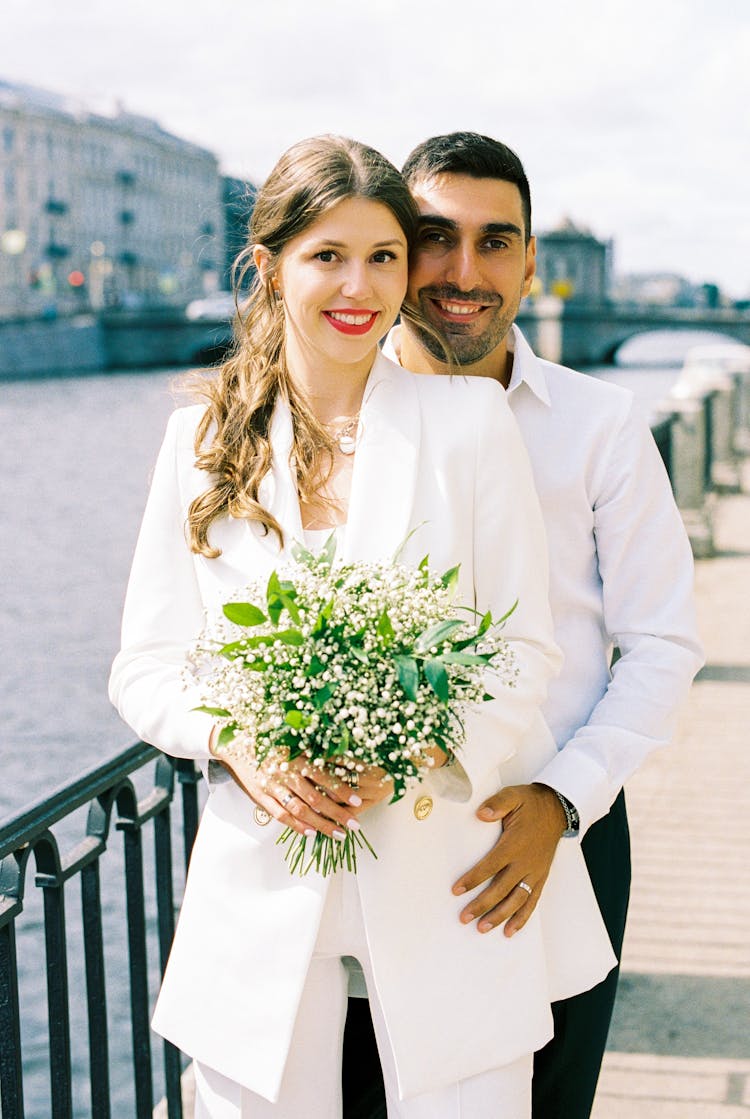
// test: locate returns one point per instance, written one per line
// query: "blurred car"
(710, 367)
(220, 305)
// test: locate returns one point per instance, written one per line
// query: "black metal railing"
(110, 793)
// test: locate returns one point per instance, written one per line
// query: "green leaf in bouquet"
(302, 555)
(486, 622)
(297, 719)
(321, 697)
(323, 618)
(219, 712)
(436, 634)
(290, 637)
(449, 578)
(437, 678)
(280, 596)
(328, 551)
(507, 614)
(234, 649)
(226, 734)
(340, 745)
(399, 551)
(424, 563)
(244, 614)
(385, 628)
(359, 653)
(408, 674)
(315, 667)
(456, 656)
(487, 698)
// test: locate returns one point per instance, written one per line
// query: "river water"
(75, 457)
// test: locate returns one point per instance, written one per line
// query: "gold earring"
(276, 292)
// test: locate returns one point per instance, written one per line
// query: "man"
(621, 577)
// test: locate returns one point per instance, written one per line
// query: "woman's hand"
(300, 797)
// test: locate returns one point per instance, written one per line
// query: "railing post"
(139, 1002)
(96, 991)
(188, 776)
(725, 475)
(688, 470)
(51, 880)
(11, 1082)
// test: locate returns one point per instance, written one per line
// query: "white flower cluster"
(351, 666)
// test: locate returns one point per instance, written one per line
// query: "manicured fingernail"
(310, 833)
(458, 889)
(355, 800)
(486, 813)
(353, 825)
(339, 834)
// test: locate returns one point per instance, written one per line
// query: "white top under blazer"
(438, 450)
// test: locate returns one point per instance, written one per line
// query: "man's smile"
(463, 308)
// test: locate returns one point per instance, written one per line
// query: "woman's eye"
(326, 256)
(383, 256)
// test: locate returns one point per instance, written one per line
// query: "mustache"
(448, 293)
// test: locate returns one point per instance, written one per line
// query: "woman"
(309, 428)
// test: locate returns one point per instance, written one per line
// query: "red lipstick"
(351, 320)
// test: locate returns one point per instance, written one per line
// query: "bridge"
(577, 334)
(582, 334)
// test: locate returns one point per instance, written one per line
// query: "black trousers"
(567, 1069)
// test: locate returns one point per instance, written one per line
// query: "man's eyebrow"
(505, 227)
(492, 228)
(438, 220)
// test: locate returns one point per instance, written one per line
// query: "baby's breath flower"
(339, 677)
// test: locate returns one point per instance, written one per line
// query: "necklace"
(346, 436)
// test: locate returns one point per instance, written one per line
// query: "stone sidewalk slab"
(680, 1038)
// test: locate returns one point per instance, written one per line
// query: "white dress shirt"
(621, 575)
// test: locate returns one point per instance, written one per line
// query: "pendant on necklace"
(347, 444)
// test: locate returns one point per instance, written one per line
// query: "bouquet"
(346, 666)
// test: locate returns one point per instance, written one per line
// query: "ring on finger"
(287, 796)
(522, 885)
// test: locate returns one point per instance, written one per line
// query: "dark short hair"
(469, 153)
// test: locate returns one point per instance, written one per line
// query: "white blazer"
(445, 451)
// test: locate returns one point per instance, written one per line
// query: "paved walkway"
(680, 1041)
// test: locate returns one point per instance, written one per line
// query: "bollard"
(689, 469)
(725, 465)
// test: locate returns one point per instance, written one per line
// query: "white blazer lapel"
(385, 468)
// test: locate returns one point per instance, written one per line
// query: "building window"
(9, 136)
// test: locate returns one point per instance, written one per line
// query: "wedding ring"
(284, 800)
(525, 886)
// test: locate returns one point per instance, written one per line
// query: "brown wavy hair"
(232, 440)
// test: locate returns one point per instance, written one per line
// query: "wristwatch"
(572, 819)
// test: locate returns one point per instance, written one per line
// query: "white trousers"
(311, 1086)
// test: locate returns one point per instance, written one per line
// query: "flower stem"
(327, 855)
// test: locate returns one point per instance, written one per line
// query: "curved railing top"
(33, 820)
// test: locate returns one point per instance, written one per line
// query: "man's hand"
(533, 821)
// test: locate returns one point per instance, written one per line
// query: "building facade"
(101, 210)
(573, 264)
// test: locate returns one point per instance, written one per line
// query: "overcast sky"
(631, 116)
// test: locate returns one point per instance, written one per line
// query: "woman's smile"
(351, 321)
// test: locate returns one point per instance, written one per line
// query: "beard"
(465, 347)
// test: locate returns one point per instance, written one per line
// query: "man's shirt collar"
(527, 368)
